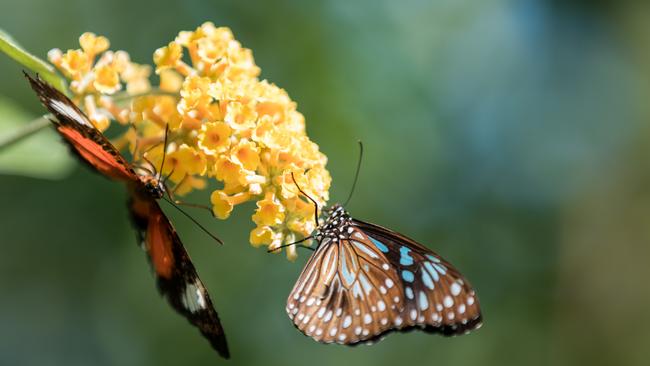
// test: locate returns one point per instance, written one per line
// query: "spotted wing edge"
(180, 283)
(380, 232)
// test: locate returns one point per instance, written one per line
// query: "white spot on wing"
(423, 301)
(455, 289)
(193, 298)
(328, 316)
(448, 301)
(67, 110)
(347, 321)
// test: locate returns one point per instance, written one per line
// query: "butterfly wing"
(437, 296)
(176, 276)
(356, 289)
(345, 294)
(83, 138)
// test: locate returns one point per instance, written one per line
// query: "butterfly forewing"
(437, 296)
(83, 138)
(364, 281)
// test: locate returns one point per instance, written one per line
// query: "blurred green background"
(512, 137)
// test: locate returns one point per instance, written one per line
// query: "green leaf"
(9, 46)
(41, 155)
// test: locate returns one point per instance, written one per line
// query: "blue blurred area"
(511, 137)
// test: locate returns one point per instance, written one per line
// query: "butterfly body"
(364, 281)
(176, 277)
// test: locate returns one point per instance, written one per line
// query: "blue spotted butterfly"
(364, 281)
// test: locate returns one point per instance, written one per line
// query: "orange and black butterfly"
(176, 276)
(364, 281)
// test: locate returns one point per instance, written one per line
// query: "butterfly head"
(155, 187)
(336, 225)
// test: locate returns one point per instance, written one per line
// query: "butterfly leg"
(172, 198)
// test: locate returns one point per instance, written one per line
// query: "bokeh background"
(510, 136)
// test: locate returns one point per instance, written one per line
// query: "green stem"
(124, 96)
(23, 132)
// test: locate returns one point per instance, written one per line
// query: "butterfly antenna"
(150, 163)
(164, 180)
(290, 244)
(311, 199)
(194, 221)
(356, 175)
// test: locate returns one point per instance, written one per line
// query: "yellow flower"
(107, 80)
(269, 211)
(75, 63)
(170, 81)
(158, 109)
(240, 116)
(210, 51)
(92, 44)
(246, 154)
(262, 235)
(184, 161)
(167, 57)
(194, 94)
(230, 173)
(137, 78)
(222, 204)
(219, 122)
(214, 138)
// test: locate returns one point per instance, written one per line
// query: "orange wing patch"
(104, 161)
(159, 245)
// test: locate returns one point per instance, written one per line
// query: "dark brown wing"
(176, 277)
(84, 139)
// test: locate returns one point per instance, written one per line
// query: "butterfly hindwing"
(176, 276)
(364, 281)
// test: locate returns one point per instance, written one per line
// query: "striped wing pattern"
(364, 281)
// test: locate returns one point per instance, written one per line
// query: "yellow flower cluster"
(223, 123)
(95, 72)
